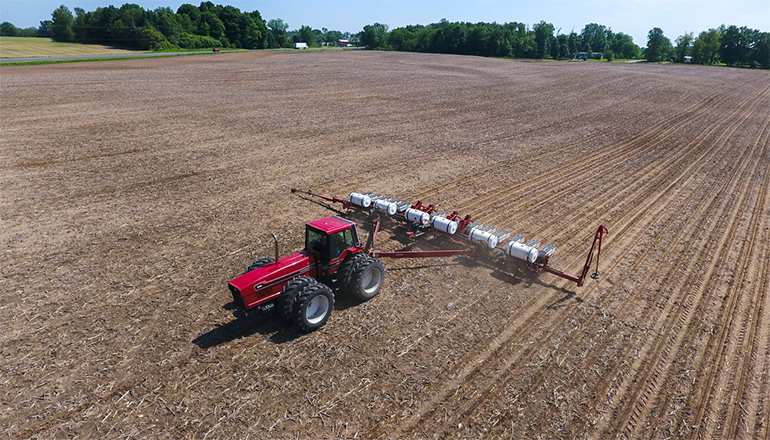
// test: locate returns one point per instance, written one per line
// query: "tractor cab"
(329, 238)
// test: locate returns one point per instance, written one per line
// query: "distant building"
(343, 43)
(300, 45)
(582, 56)
(688, 59)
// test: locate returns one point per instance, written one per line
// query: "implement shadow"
(526, 278)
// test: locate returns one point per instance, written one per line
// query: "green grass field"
(16, 47)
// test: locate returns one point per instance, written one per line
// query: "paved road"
(90, 57)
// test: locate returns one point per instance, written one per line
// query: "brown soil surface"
(131, 192)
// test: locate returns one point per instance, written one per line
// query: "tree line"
(513, 39)
(190, 27)
(210, 25)
(731, 45)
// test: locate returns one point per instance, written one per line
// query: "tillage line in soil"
(559, 121)
(594, 356)
(751, 315)
(618, 197)
(757, 402)
(572, 175)
(757, 406)
(536, 385)
(509, 335)
(678, 319)
(658, 130)
(621, 231)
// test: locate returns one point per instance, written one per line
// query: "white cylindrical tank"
(479, 236)
(444, 225)
(386, 206)
(361, 200)
(522, 252)
(417, 216)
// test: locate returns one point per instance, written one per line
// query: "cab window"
(315, 241)
(339, 242)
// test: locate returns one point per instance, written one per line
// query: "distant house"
(688, 59)
(300, 45)
(582, 56)
(343, 43)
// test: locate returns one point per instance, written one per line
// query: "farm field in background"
(133, 191)
(13, 47)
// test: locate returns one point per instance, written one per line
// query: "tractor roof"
(331, 225)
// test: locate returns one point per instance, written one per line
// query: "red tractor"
(301, 286)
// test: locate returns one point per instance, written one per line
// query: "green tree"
(152, 39)
(374, 36)
(28, 32)
(61, 24)
(563, 42)
(306, 35)
(44, 30)
(594, 37)
(211, 25)
(658, 46)
(574, 42)
(738, 45)
(623, 46)
(188, 17)
(278, 31)
(7, 29)
(705, 48)
(683, 43)
(761, 50)
(543, 35)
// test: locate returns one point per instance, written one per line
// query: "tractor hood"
(265, 283)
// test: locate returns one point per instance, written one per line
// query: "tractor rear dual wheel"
(312, 307)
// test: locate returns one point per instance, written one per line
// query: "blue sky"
(633, 17)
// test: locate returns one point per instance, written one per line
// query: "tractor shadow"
(247, 324)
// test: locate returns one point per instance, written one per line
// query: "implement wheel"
(312, 307)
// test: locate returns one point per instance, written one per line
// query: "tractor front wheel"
(285, 303)
(312, 307)
(348, 268)
(366, 280)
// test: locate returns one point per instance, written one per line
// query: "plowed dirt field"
(131, 192)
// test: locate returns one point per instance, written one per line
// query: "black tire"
(345, 273)
(259, 262)
(366, 280)
(285, 302)
(313, 307)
